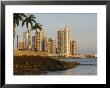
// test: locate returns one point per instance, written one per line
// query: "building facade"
(51, 46)
(26, 40)
(67, 40)
(40, 41)
(33, 42)
(17, 41)
(63, 41)
(73, 47)
(60, 41)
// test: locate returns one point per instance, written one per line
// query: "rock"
(33, 65)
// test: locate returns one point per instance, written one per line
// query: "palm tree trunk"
(28, 45)
(28, 40)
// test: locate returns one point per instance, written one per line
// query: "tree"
(29, 19)
(17, 17)
(37, 26)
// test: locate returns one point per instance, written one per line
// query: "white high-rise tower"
(67, 40)
(63, 41)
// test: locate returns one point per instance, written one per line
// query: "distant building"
(33, 42)
(21, 45)
(60, 41)
(51, 46)
(26, 40)
(45, 40)
(55, 48)
(73, 47)
(40, 41)
(17, 41)
(63, 41)
(67, 40)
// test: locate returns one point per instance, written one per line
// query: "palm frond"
(17, 17)
(37, 26)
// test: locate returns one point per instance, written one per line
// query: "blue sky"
(83, 28)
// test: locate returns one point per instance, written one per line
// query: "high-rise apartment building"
(40, 41)
(26, 40)
(45, 40)
(73, 47)
(17, 41)
(60, 41)
(67, 40)
(51, 46)
(63, 41)
(33, 42)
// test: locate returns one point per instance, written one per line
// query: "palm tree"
(37, 26)
(29, 19)
(17, 17)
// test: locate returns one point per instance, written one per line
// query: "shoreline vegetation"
(33, 65)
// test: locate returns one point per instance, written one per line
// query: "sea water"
(88, 66)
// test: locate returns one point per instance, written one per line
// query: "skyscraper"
(67, 40)
(45, 40)
(63, 41)
(60, 41)
(17, 41)
(33, 42)
(73, 47)
(40, 41)
(26, 40)
(51, 46)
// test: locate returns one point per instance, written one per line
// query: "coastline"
(33, 65)
(73, 57)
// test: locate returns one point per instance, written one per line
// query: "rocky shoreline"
(73, 57)
(33, 65)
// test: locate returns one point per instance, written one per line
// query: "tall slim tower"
(51, 46)
(33, 42)
(73, 47)
(17, 41)
(63, 41)
(67, 40)
(40, 41)
(45, 43)
(26, 40)
(60, 42)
